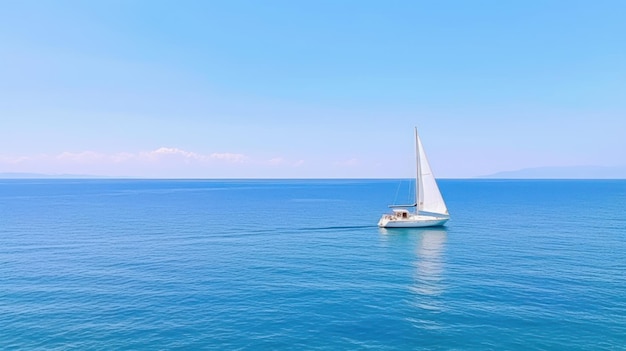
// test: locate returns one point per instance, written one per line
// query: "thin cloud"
(85, 156)
(159, 154)
(122, 157)
(276, 161)
(14, 159)
(227, 156)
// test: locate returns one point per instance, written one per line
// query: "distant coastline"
(570, 172)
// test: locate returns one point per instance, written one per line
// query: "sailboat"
(430, 209)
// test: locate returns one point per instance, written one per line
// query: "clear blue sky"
(310, 88)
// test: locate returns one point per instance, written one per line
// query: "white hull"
(413, 221)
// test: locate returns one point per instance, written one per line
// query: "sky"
(310, 89)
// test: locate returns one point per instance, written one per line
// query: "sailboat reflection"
(429, 263)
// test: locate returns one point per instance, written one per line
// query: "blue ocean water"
(300, 264)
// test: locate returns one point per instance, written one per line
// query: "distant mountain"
(571, 172)
(14, 175)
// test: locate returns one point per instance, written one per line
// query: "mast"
(418, 186)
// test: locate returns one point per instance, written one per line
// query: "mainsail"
(429, 197)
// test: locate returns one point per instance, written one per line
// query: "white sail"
(429, 196)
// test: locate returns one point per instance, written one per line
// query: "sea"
(126, 264)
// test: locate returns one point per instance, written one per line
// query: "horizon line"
(482, 178)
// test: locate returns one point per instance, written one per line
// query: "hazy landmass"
(572, 172)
